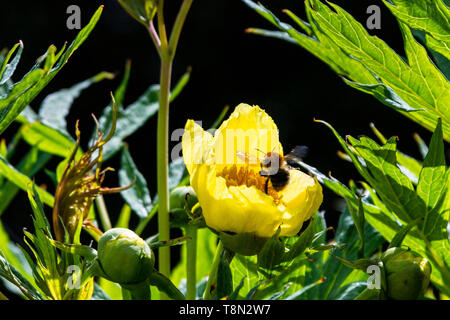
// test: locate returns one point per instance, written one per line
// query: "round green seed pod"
(124, 257)
(407, 274)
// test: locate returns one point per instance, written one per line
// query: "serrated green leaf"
(430, 16)
(370, 65)
(394, 199)
(37, 79)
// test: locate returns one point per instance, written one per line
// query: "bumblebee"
(276, 167)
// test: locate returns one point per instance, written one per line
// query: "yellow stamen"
(246, 176)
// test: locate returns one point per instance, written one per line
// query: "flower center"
(245, 176)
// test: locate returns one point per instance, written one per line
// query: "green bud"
(124, 257)
(181, 199)
(407, 274)
(141, 10)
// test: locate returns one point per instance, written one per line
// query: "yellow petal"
(196, 145)
(301, 198)
(238, 209)
(249, 130)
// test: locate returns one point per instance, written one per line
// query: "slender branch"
(155, 37)
(178, 26)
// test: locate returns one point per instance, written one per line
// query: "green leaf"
(224, 279)
(138, 196)
(299, 294)
(141, 10)
(14, 255)
(400, 236)
(358, 219)
(368, 64)
(432, 187)
(32, 162)
(9, 273)
(430, 16)
(133, 117)
(56, 106)
(22, 181)
(80, 250)
(395, 201)
(271, 254)
(128, 120)
(37, 79)
(7, 69)
(303, 242)
(245, 267)
(99, 293)
(48, 139)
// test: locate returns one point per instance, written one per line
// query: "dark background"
(229, 67)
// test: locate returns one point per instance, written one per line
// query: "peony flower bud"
(124, 257)
(182, 198)
(407, 274)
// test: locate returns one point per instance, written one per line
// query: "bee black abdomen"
(280, 179)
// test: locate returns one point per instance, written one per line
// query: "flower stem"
(191, 270)
(163, 164)
(212, 279)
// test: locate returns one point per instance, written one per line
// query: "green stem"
(191, 270)
(163, 165)
(165, 286)
(167, 54)
(139, 291)
(212, 279)
(179, 22)
(126, 294)
(103, 213)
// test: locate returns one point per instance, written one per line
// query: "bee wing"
(247, 158)
(296, 155)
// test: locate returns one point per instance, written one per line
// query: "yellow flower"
(225, 173)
